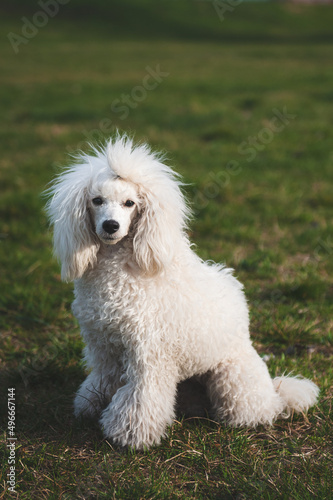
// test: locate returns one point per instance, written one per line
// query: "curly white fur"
(151, 312)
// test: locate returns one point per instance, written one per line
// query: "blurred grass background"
(261, 191)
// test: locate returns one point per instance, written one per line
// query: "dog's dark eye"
(129, 203)
(97, 201)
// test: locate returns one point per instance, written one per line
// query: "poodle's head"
(121, 191)
(113, 207)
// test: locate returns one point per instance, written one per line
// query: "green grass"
(267, 213)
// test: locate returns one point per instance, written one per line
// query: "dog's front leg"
(141, 410)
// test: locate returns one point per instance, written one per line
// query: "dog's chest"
(110, 304)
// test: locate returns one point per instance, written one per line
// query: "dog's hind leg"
(242, 392)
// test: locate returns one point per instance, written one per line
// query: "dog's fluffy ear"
(160, 227)
(75, 244)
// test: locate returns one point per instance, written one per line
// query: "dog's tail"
(297, 393)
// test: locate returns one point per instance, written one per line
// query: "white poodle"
(152, 313)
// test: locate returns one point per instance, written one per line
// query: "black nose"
(110, 226)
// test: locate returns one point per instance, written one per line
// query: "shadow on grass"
(44, 407)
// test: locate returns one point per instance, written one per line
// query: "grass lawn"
(243, 106)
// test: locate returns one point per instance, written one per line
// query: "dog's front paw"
(129, 429)
(133, 419)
